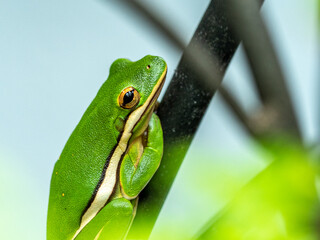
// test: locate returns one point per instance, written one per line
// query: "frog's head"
(135, 89)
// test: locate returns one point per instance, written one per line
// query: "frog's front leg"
(112, 222)
(141, 162)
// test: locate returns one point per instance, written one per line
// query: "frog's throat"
(108, 177)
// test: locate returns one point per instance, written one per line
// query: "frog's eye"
(129, 98)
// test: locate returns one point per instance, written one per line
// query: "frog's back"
(78, 170)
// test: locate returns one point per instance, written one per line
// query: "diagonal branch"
(247, 24)
(185, 102)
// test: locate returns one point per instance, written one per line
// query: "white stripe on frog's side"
(109, 175)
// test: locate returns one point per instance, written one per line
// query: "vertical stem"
(181, 110)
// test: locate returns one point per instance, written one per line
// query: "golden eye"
(129, 98)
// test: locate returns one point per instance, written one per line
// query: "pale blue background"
(54, 56)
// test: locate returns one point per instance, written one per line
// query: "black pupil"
(128, 97)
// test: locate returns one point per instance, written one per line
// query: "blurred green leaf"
(280, 203)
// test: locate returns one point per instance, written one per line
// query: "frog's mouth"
(143, 122)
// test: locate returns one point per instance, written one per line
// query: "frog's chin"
(143, 122)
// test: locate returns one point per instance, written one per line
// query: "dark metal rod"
(184, 105)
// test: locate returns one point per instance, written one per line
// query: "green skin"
(79, 169)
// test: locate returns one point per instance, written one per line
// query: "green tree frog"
(110, 157)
